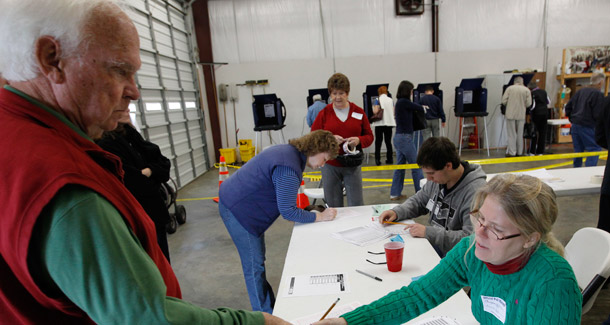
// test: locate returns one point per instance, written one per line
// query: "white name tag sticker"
(495, 306)
(357, 116)
(430, 205)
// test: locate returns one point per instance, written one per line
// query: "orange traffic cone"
(302, 199)
(223, 173)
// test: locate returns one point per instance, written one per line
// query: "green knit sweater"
(545, 291)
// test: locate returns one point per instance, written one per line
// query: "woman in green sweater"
(513, 264)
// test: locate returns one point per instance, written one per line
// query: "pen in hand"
(329, 309)
(369, 275)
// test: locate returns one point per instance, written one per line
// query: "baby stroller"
(169, 193)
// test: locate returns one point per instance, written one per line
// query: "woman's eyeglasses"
(479, 218)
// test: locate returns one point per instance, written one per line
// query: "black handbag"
(529, 131)
(419, 120)
(351, 160)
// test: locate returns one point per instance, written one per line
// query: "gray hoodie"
(450, 220)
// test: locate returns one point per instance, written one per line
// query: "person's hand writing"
(327, 215)
(417, 230)
(387, 215)
(274, 320)
(146, 172)
(332, 321)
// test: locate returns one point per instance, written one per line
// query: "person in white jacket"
(384, 127)
(517, 98)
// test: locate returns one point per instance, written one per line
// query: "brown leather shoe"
(398, 198)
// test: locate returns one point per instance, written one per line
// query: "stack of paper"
(364, 235)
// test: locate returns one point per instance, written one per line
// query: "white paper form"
(336, 312)
(438, 320)
(546, 177)
(317, 284)
(364, 235)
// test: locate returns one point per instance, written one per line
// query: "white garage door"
(169, 109)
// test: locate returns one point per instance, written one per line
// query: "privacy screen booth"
(471, 98)
(269, 112)
(370, 95)
(321, 91)
(269, 115)
(471, 101)
(527, 77)
(420, 91)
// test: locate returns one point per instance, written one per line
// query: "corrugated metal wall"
(169, 111)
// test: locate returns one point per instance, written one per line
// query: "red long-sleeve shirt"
(357, 124)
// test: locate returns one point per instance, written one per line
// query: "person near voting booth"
(145, 170)
(315, 108)
(583, 109)
(447, 196)
(404, 139)
(384, 126)
(253, 197)
(516, 99)
(513, 264)
(434, 113)
(76, 247)
(351, 127)
(539, 113)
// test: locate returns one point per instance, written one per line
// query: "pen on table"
(375, 209)
(395, 223)
(326, 205)
(330, 308)
(369, 275)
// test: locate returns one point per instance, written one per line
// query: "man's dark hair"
(436, 152)
(404, 89)
(429, 88)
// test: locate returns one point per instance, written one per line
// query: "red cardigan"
(40, 155)
(328, 120)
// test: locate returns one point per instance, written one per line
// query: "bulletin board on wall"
(587, 59)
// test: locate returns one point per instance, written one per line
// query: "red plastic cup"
(393, 254)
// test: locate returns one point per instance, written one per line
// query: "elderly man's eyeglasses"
(480, 219)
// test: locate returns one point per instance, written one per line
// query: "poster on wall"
(587, 59)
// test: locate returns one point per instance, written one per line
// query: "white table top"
(312, 251)
(567, 181)
(558, 121)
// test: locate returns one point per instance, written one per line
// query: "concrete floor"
(208, 266)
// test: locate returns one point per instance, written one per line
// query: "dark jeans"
(381, 133)
(537, 144)
(583, 138)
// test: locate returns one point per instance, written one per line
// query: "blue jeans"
(405, 152)
(583, 138)
(251, 251)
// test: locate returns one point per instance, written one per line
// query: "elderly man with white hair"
(314, 109)
(75, 245)
(516, 98)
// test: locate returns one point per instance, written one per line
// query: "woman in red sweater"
(350, 125)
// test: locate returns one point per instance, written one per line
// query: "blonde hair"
(316, 142)
(528, 202)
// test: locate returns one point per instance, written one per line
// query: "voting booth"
(471, 101)
(420, 91)
(369, 96)
(319, 91)
(269, 115)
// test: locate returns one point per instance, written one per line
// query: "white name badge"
(357, 116)
(430, 205)
(495, 306)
